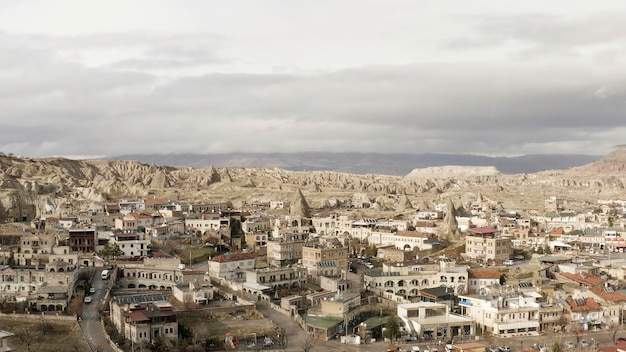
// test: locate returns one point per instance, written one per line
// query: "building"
(323, 260)
(431, 321)
(277, 278)
(486, 244)
(231, 266)
(136, 244)
(585, 313)
(286, 250)
(83, 240)
(144, 318)
(482, 278)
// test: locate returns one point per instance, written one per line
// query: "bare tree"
(613, 329)
(308, 342)
(27, 336)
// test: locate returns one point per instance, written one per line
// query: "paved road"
(90, 324)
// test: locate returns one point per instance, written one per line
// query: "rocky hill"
(31, 187)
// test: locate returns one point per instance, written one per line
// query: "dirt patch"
(209, 325)
(44, 335)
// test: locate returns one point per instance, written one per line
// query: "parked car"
(584, 343)
(491, 349)
(92, 290)
(508, 262)
(570, 345)
(415, 349)
(87, 299)
(505, 349)
(519, 257)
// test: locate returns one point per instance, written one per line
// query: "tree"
(392, 328)
(111, 250)
(308, 342)
(556, 347)
(613, 329)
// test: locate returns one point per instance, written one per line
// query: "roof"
(322, 321)
(411, 234)
(437, 292)
(159, 254)
(155, 200)
(144, 298)
(233, 257)
(608, 294)
(582, 304)
(483, 230)
(483, 273)
(375, 322)
(584, 278)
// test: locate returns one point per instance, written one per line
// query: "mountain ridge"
(396, 164)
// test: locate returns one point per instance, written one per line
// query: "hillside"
(31, 187)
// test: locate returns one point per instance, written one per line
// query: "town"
(161, 274)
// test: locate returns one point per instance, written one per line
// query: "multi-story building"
(506, 311)
(405, 279)
(277, 278)
(207, 222)
(132, 244)
(487, 244)
(159, 272)
(83, 240)
(231, 266)
(286, 250)
(144, 318)
(322, 260)
(200, 208)
(431, 321)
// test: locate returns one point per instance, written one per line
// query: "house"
(135, 244)
(144, 318)
(584, 279)
(83, 240)
(585, 313)
(231, 266)
(198, 292)
(482, 278)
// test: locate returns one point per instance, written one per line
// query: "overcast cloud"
(498, 78)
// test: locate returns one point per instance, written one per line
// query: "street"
(90, 324)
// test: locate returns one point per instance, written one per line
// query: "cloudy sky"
(487, 77)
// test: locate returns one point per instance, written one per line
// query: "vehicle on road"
(87, 299)
(584, 343)
(491, 349)
(105, 274)
(508, 262)
(519, 257)
(505, 349)
(570, 345)
(415, 349)
(92, 290)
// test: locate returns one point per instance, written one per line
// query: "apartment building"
(487, 244)
(83, 240)
(286, 250)
(323, 260)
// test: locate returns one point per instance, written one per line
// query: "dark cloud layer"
(51, 103)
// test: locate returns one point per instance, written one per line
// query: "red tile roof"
(589, 304)
(483, 274)
(155, 200)
(584, 278)
(608, 294)
(483, 230)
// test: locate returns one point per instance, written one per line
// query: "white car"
(87, 299)
(584, 343)
(570, 345)
(508, 262)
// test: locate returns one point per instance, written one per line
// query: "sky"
(109, 77)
